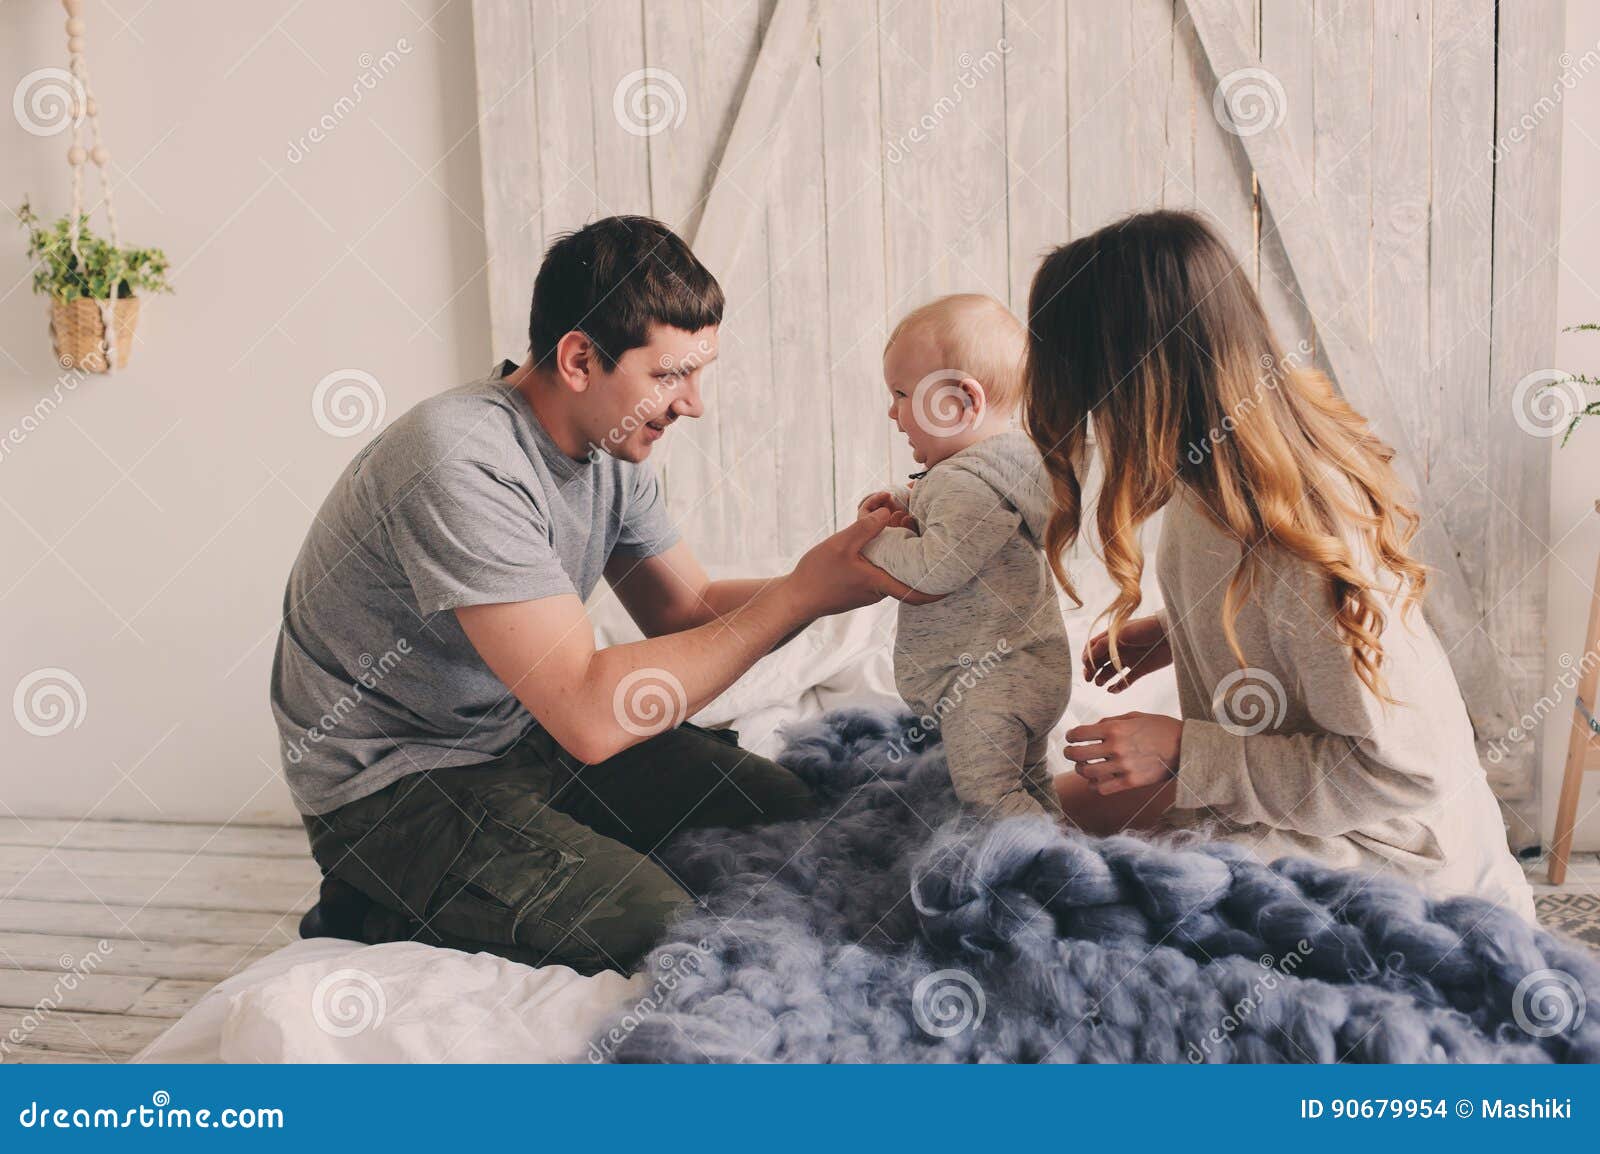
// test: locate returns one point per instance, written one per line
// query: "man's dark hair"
(611, 280)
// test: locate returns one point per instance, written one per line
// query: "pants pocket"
(504, 877)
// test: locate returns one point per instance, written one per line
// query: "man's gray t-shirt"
(464, 500)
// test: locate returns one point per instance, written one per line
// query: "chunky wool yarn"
(896, 930)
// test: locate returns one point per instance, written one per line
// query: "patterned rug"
(1576, 915)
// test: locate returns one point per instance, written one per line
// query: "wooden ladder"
(1583, 746)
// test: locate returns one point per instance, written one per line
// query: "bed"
(327, 1000)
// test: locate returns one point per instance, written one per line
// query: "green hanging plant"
(1592, 407)
(105, 271)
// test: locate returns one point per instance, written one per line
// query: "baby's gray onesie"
(990, 662)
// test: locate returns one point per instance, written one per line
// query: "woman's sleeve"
(1364, 763)
(964, 522)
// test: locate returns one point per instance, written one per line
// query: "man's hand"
(899, 515)
(834, 577)
(1142, 646)
(1127, 751)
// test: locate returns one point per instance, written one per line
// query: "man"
(471, 770)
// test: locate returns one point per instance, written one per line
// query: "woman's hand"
(1128, 751)
(899, 515)
(1142, 646)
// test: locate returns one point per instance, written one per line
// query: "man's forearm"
(597, 703)
(726, 597)
(665, 679)
(720, 598)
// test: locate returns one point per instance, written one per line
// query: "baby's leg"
(988, 753)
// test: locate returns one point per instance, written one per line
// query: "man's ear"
(575, 359)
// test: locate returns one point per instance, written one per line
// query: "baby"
(990, 660)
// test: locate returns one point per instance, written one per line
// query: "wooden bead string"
(97, 152)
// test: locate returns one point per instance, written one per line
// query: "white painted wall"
(1575, 471)
(150, 519)
(148, 523)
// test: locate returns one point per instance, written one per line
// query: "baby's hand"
(899, 515)
(883, 499)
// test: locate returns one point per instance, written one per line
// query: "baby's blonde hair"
(976, 335)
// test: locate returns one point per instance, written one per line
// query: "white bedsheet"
(327, 1000)
(334, 1001)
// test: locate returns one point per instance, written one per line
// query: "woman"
(1320, 715)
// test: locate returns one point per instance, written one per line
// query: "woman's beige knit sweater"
(1294, 755)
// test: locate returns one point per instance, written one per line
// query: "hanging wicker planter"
(94, 283)
(78, 329)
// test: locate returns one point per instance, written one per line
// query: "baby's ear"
(976, 399)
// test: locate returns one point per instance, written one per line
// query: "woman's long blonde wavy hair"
(1149, 332)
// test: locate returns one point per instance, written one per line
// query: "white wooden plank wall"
(1453, 430)
(1523, 302)
(856, 304)
(1400, 128)
(1341, 146)
(1036, 137)
(696, 47)
(933, 146)
(1288, 37)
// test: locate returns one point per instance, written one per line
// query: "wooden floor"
(111, 930)
(1583, 876)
